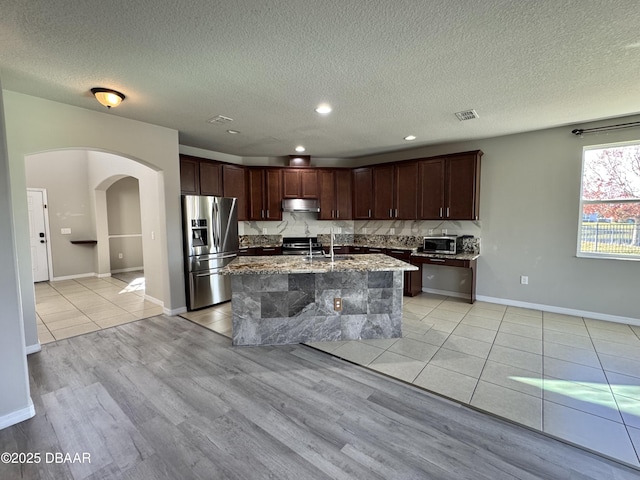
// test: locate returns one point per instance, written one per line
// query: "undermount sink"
(326, 259)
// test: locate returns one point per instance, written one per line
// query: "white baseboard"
(539, 306)
(129, 269)
(154, 300)
(103, 275)
(446, 293)
(175, 311)
(18, 416)
(73, 277)
(35, 348)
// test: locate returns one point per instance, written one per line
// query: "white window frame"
(601, 255)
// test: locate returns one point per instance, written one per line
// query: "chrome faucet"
(331, 235)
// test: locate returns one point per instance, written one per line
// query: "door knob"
(41, 241)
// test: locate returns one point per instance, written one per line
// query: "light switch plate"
(65, 231)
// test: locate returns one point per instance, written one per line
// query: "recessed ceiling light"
(233, 132)
(323, 109)
(410, 137)
(300, 149)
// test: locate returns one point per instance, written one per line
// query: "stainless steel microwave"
(446, 245)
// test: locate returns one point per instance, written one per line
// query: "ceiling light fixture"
(233, 132)
(410, 137)
(323, 109)
(108, 98)
(300, 149)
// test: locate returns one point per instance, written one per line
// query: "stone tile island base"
(275, 309)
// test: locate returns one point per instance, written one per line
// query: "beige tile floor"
(575, 378)
(68, 308)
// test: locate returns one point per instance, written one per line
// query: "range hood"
(300, 205)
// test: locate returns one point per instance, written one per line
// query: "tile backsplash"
(303, 224)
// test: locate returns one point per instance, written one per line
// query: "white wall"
(35, 125)
(529, 214)
(15, 402)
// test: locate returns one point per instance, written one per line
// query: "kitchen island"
(290, 299)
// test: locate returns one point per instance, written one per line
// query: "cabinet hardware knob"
(440, 212)
(369, 213)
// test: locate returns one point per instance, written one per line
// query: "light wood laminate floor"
(164, 398)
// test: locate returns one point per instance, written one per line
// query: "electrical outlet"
(65, 231)
(444, 231)
(337, 304)
(430, 231)
(120, 255)
(264, 231)
(392, 231)
(524, 280)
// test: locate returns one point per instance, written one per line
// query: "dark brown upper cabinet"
(189, 175)
(450, 187)
(234, 183)
(299, 183)
(395, 188)
(335, 194)
(265, 194)
(362, 193)
(211, 178)
(200, 176)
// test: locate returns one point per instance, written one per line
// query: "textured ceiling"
(388, 68)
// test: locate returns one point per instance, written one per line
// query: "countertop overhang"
(283, 264)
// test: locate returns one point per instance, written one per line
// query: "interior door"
(37, 233)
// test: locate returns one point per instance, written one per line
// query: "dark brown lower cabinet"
(412, 280)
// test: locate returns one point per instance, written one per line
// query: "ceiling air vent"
(220, 119)
(466, 115)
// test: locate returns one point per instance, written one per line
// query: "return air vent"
(466, 115)
(220, 119)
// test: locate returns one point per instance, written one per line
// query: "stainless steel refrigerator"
(210, 226)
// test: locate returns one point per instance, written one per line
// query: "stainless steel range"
(301, 246)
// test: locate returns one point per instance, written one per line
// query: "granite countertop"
(283, 264)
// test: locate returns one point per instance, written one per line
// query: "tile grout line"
(488, 354)
(615, 399)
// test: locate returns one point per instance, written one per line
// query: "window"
(610, 202)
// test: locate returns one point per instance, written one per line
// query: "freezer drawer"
(208, 288)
